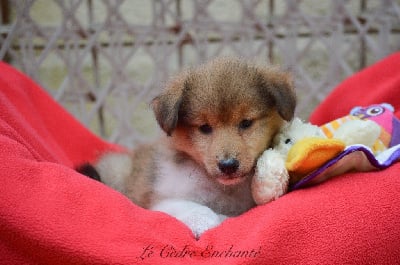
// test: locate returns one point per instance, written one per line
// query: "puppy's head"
(224, 114)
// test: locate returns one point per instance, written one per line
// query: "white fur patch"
(197, 217)
(184, 181)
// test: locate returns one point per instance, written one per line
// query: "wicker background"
(105, 60)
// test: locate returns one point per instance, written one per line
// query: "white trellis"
(104, 60)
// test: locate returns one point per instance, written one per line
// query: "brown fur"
(224, 95)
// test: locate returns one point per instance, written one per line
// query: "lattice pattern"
(105, 60)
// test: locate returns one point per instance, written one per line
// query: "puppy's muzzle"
(228, 166)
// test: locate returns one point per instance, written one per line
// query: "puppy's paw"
(271, 178)
(197, 217)
(200, 220)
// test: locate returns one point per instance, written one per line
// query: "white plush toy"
(271, 179)
(312, 149)
(364, 132)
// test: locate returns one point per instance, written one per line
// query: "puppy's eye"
(205, 129)
(244, 124)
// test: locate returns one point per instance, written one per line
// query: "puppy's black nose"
(228, 166)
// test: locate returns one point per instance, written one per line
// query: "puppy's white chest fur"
(183, 190)
(187, 181)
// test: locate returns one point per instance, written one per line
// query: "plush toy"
(271, 179)
(301, 148)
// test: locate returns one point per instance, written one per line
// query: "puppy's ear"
(166, 106)
(279, 86)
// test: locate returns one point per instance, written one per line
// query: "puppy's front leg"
(197, 217)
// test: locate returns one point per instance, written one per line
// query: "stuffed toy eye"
(375, 111)
(288, 141)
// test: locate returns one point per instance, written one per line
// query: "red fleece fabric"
(50, 214)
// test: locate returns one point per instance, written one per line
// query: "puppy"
(218, 118)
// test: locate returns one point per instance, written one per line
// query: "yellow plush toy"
(300, 148)
(310, 153)
(271, 179)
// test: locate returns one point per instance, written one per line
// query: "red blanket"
(49, 214)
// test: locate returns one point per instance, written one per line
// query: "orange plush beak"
(310, 153)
